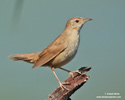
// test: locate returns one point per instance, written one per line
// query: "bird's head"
(76, 22)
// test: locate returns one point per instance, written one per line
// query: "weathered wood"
(74, 84)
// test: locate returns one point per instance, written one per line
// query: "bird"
(60, 52)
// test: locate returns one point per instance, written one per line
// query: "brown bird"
(60, 51)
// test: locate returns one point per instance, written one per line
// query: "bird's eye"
(77, 21)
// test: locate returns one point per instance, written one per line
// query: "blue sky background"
(31, 25)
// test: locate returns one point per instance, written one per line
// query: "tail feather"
(28, 57)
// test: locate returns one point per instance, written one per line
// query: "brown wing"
(50, 52)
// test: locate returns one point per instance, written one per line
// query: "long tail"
(28, 57)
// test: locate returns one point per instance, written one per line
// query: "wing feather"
(50, 52)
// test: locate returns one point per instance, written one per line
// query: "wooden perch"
(74, 84)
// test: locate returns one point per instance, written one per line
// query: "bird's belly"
(65, 56)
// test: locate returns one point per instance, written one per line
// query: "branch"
(75, 83)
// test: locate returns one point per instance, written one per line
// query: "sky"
(31, 25)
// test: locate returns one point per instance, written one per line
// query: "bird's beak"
(88, 19)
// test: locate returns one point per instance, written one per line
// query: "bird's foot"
(62, 85)
(72, 73)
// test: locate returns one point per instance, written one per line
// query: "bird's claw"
(72, 73)
(62, 85)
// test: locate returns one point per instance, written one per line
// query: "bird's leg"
(61, 84)
(65, 69)
(70, 72)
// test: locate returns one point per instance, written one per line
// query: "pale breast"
(69, 53)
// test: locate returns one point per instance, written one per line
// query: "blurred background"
(31, 25)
